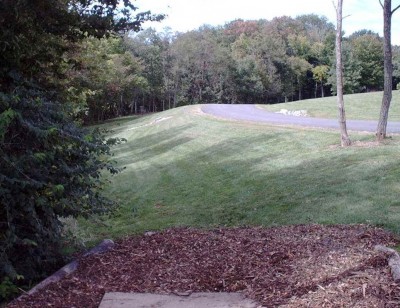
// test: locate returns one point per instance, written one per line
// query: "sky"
(185, 15)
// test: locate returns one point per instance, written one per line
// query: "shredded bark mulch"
(294, 266)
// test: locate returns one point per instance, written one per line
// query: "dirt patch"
(361, 144)
(295, 266)
(195, 110)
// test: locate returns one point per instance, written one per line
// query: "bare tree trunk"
(175, 99)
(316, 89)
(299, 84)
(344, 137)
(388, 69)
(119, 108)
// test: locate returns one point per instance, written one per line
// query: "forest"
(260, 61)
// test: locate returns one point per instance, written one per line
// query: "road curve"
(248, 112)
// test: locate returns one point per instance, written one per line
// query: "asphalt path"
(248, 112)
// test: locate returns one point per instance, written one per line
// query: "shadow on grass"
(221, 186)
(150, 146)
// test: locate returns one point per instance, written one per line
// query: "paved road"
(247, 112)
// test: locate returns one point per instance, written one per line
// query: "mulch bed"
(294, 266)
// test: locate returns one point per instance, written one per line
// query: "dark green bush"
(49, 168)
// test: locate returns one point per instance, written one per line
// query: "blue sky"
(184, 15)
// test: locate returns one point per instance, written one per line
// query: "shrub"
(49, 168)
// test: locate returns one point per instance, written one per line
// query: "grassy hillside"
(187, 169)
(364, 106)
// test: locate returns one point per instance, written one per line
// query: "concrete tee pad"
(195, 300)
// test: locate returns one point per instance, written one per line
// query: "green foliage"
(50, 168)
(352, 72)
(320, 73)
(7, 289)
(36, 35)
(262, 61)
(109, 79)
(396, 64)
(5, 120)
(368, 50)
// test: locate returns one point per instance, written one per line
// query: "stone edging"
(104, 246)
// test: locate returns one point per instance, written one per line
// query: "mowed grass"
(183, 168)
(365, 106)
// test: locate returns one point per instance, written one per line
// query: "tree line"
(260, 61)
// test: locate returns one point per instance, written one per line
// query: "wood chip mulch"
(294, 266)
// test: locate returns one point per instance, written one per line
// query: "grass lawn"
(188, 169)
(364, 106)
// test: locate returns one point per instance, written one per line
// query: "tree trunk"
(345, 140)
(119, 109)
(322, 89)
(175, 99)
(200, 95)
(316, 89)
(388, 71)
(299, 84)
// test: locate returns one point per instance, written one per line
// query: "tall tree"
(344, 137)
(320, 74)
(388, 68)
(351, 71)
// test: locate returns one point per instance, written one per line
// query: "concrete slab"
(195, 300)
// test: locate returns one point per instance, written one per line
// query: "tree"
(317, 28)
(299, 68)
(300, 50)
(344, 138)
(388, 69)
(320, 74)
(396, 66)
(108, 81)
(256, 73)
(351, 71)
(49, 166)
(368, 52)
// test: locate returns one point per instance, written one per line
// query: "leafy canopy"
(50, 167)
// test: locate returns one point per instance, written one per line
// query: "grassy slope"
(358, 106)
(193, 170)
